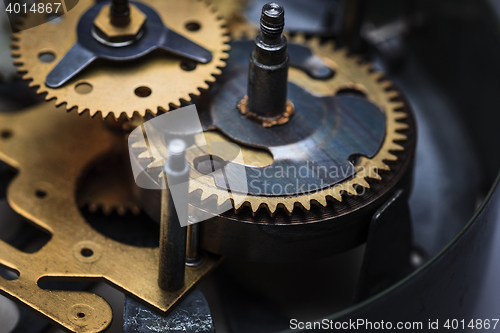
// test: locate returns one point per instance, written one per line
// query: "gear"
(230, 9)
(351, 76)
(147, 85)
(109, 187)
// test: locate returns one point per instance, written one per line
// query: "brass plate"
(51, 149)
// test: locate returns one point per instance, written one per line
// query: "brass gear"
(108, 187)
(113, 87)
(350, 73)
(230, 9)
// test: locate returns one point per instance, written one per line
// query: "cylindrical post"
(172, 234)
(193, 257)
(268, 72)
(119, 13)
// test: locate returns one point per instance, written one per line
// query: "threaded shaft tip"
(177, 155)
(272, 20)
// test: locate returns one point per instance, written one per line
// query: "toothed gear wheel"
(108, 187)
(112, 90)
(351, 74)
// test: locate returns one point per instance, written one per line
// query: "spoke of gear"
(155, 82)
(351, 74)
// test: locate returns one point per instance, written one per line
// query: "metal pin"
(193, 257)
(268, 72)
(119, 13)
(172, 234)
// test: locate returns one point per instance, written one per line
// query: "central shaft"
(268, 72)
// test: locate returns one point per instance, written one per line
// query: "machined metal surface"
(191, 315)
(49, 178)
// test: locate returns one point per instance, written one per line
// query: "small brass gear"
(111, 90)
(108, 187)
(350, 74)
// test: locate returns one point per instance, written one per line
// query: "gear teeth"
(315, 41)
(400, 115)
(397, 105)
(384, 166)
(387, 85)
(378, 76)
(396, 147)
(155, 166)
(390, 157)
(271, 207)
(361, 182)
(357, 58)
(335, 197)
(391, 95)
(366, 67)
(321, 201)
(367, 169)
(254, 208)
(146, 156)
(205, 195)
(374, 175)
(239, 206)
(23, 41)
(92, 208)
(288, 207)
(329, 45)
(400, 126)
(306, 204)
(299, 38)
(221, 200)
(349, 189)
(399, 137)
(344, 51)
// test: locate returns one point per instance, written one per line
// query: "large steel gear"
(149, 84)
(352, 75)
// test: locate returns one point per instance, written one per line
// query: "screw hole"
(143, 91)
(193, 26)
(208, 163)
(351, 91)
(83, 88)
(87, 252)
(40, 194)
(46, 56)
(6, 134)
(188, 65)
(80, 315)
